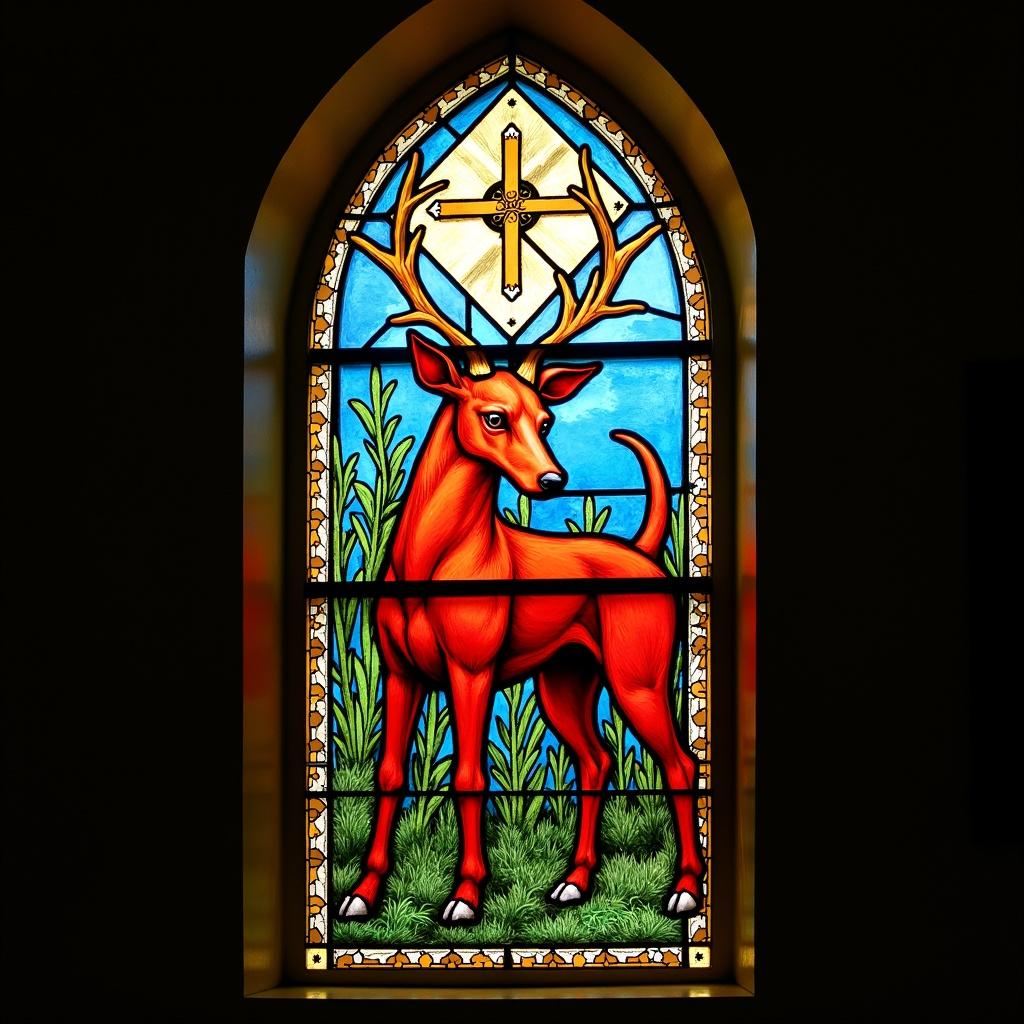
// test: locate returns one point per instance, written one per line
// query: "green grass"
(625, 908)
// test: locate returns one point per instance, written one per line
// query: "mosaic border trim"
(698, 644)
(699, 925)
(316, 682)
(525, 958)
(318, 470)
(347, 958)
(316, 778)
(316, 864)
(611, 956)
(699, 458)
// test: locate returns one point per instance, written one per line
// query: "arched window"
(511, 756)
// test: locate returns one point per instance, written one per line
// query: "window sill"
(517, 993)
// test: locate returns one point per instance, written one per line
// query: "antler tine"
(400, 265)
(596, 303)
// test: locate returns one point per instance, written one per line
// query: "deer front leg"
(471, 700)
(403, 699)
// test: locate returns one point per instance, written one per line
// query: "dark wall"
(878, 154)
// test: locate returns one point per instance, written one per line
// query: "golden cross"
(510, 207)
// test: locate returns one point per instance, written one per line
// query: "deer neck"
(449, 508)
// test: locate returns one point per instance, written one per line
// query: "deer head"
(503, 417)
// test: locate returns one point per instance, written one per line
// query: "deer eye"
(495, 420)
(544, 428)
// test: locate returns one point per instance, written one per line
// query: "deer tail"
(652, 530)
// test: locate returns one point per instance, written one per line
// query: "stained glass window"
(509, 565)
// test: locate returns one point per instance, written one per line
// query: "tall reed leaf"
(674, 557)
(559, 765)
(591, 523)
(429, 768)
(648, 776)
(358, 713)
(516, 761)
(522, 516)
(349, 712)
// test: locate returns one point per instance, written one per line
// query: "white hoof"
(353, 906)
(681, 903)
(462, 912)
(458, 910)
(569, 894)
(557, 891)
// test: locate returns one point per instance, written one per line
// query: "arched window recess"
(517, 649)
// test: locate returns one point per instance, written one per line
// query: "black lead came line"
(615, 492)
(514, 588)
(495, 794)
(672, 349)
(386, 215)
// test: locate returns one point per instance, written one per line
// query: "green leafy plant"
(522, 516)
(353, 710)
(674, 557)
(516, 761)
(559, 764)
(374, 524)
(673, 554)
(625, 754)
(343, 478)
(358, 713)
(647, 776)
(591, 523)
(428, 766)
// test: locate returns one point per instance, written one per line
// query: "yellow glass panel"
(471, 251)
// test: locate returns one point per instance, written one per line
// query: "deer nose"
(552, 481)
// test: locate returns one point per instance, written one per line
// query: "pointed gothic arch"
(301, 202)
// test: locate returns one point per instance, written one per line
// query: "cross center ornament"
(511, 206)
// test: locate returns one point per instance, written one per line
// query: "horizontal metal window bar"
(583, 350)
(388, 215)
(617, 492)
(492, 793)
(497, 587)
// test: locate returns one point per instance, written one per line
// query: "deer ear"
(433, 369)
(560, 383)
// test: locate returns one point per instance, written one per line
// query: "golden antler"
(400, 265)
(596, 303)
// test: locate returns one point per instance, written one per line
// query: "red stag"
(492, 423)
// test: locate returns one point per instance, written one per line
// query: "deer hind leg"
(568, 696)
(638, 634)
(471, 694)
(403, 700)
